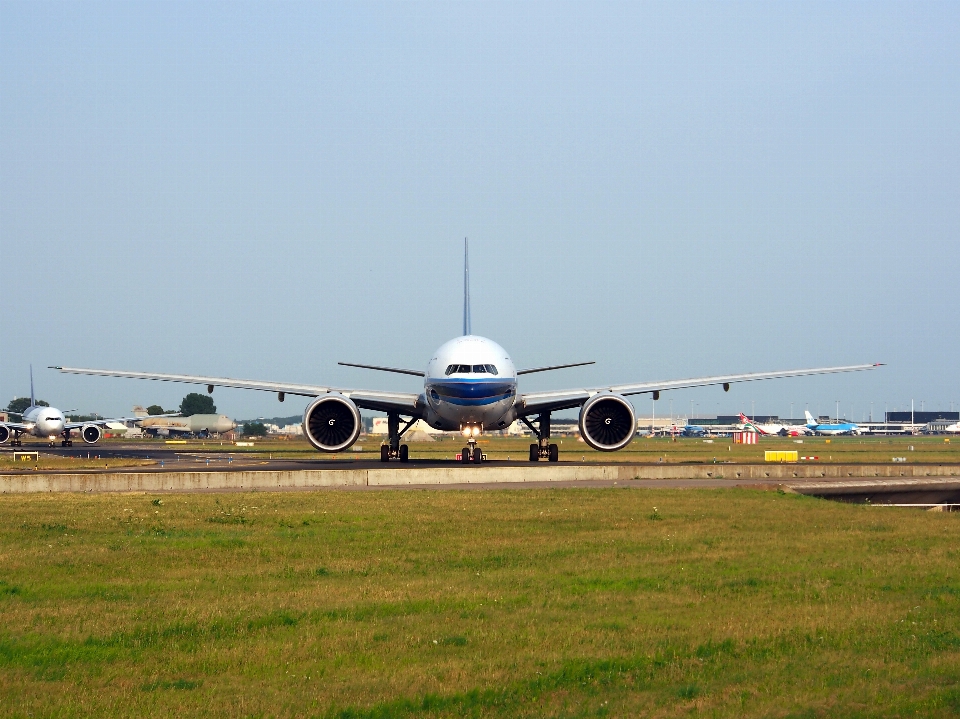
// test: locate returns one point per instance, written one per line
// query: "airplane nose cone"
(51, 425)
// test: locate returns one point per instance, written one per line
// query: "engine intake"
(331, 423)
(91, 433)
(607, 422)
(4, 434)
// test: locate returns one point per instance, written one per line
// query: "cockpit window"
(471, 369)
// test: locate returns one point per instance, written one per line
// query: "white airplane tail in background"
(466, 287)
(810, 419)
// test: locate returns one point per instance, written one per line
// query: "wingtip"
(53, 367)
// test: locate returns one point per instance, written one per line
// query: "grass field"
(568, 603)
(55, 462)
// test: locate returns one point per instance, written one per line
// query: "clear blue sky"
(672, 189)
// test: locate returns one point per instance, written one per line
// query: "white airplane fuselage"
(470, 382)
(47, 422)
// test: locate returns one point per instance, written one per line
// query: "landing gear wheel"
(404, 453)
(384, 453)
(477, 455)
(534, 453)
(465, 455)
(554, 453)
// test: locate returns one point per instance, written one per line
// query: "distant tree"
(195, 403)
(156, 409)
(254, 429)
(21, 403)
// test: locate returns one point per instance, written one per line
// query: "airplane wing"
(17, 426)
(402, 402)
(534, 402)
(107, 420)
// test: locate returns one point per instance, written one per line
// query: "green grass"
(470, 603)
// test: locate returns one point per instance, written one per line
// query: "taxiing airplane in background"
(49, 423)
(832, 429)
(470, 385)
(775, 429)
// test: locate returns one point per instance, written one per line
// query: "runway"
(181, 470)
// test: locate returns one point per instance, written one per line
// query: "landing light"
(466, 431)
(476, 431)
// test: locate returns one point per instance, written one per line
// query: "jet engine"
(331, 423)
(607, 422)
(91, 433)
(4, 434)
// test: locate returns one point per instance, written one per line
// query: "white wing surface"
(107, 420)
(401, 402)
(534, 402)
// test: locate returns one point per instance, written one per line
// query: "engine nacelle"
(331, 423)
(4, 434)
(91, 433)
(607, 422)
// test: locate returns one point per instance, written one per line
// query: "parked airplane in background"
(470, 385)
(200, 425)
(774, 429)
(836, 428)
(49, 423)
(695, 430)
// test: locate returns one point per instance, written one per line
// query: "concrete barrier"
(425, 476)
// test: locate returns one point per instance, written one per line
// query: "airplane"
(200, 425)
(833, 429)
(694, 430)
(773, 429)
(470, 385)
(49, 423)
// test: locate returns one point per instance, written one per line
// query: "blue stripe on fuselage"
(472, 392)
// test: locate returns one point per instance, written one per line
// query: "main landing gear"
(66, 442)
(393, 449)
(542, 449)
(16, 441)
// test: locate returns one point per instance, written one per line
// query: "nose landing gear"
(542, 449)
(472, 451)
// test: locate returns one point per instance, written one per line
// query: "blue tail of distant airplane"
(466, 286)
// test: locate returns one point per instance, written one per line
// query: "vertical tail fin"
(810, 419)
(466, 286)
(33, 400)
